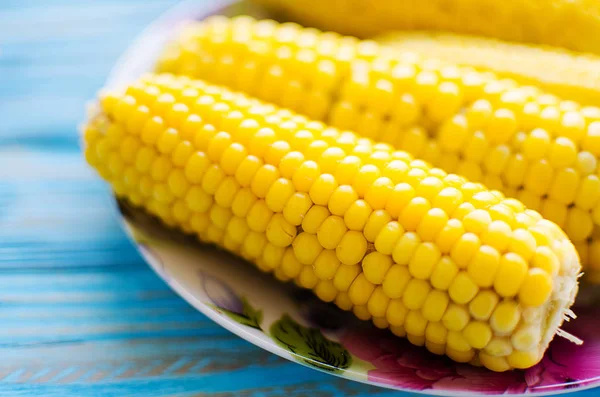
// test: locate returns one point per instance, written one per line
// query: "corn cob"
(517, 139)
(572, 24)
(557, 71)
(440, 260)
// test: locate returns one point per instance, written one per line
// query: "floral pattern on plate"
(225, 301)
(306, 343)
(402, 365)
(310, 344)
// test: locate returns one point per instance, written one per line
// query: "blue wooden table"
(80, 312)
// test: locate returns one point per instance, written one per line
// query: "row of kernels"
(301, 86)
(560, 143)
(563, 187)
(457, 136)
(286, 34)
(530, 111)
(464, 333)
(484, 268)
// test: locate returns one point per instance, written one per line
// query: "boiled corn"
(427, 254)
(572, 24)
(566, 74)
(517, 139)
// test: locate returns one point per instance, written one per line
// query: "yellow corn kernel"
(396, 280)
(505, 317)
(435, 306)
(483, 305)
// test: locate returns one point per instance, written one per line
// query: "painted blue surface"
(80, 312)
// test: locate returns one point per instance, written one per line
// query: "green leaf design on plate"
(307, 342)
(249, 316)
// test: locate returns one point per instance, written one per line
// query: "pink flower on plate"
(228, 302)
(221, 295)
(398, 363)
(483, 381)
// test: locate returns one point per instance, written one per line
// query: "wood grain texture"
(80, 312)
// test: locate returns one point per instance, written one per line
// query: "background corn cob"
(530, 145)
(567, 74)
(573, 24)
(445, 262)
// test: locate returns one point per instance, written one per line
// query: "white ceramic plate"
(292, 323)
